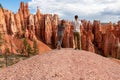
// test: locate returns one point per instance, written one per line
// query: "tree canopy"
(1, 6)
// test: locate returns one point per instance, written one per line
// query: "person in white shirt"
(77, 37)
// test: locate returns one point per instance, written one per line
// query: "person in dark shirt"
(61, 28)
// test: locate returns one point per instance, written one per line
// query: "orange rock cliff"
(101, 38)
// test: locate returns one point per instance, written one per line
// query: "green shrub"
(35, 48)
(29, 50)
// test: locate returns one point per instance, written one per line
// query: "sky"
(103, 10)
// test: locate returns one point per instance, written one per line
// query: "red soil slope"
(65, 64)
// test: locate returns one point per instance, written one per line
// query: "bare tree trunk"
(6, 59)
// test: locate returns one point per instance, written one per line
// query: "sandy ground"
(65, 64)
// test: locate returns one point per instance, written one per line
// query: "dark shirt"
(61, 29)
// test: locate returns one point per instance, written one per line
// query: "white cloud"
(104, 10)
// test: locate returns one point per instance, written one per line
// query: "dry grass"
(11, 59)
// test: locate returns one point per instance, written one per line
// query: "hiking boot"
(75, 48)
(59, 47)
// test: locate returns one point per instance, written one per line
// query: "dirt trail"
(65, 64)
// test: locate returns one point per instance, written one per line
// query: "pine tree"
(29, 50)
(1, 6)
(25, 43)
(35, 49)
(6, 55)
(1, 39)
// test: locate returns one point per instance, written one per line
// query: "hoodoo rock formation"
(65, 64)
(14, 28)
(101, 38)
(3, 29)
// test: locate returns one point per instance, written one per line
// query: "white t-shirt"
(76, 25)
